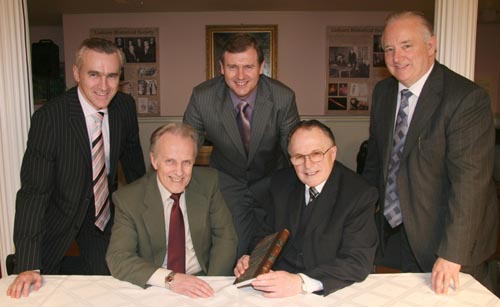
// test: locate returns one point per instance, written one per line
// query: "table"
(401, 289)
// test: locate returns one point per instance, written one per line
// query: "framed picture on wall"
(355, 63)
(217, 35)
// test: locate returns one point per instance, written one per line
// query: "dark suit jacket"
(138, 241)
(211, 110)
(340, 239)
(445, 182)
(244, 180)
(56, 176)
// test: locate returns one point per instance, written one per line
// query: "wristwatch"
(169, 279)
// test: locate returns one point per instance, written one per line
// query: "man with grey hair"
(431, 154)
(173, 223)
(70, 168)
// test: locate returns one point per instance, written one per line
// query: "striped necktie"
(244, 123)
(392, 208)
(99, 174)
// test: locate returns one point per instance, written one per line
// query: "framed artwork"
(217, 35)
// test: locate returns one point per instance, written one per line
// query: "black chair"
(10, 262)
(361, 157)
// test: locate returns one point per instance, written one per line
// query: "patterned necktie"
(392, 208)
(313, 193)
(99, 174)
(244, 123)
(176, 256)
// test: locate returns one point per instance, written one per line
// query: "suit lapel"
(114, 134)
(225, 108)
(427, 103)
(196, 211)
(295, 211)
(325, 202)
(154, 219)
(261, 116)
(388, 117)
(78, 124)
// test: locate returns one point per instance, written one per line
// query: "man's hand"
(278, 284)
(21, 285)
(191, 286)
(442, 273)
(242, 265)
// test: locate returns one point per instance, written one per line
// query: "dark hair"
(309, 125)
(100, 45)
(180, 129)
(241, 42)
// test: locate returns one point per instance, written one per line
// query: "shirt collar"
(417, 87)
(165, 194)
(87, 108)
(250, 98)
(318, 188)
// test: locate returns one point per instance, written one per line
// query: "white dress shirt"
(415, 89)
(88, 111)
(192, 264)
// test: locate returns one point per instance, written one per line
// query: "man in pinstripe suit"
(55, 204)
(245, 157)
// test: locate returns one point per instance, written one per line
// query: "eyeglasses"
(315, 156)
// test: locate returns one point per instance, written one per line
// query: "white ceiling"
(49, 12)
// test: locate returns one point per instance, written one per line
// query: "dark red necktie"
(176, 250)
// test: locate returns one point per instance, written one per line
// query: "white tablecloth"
(377, 290)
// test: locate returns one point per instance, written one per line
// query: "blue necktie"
(392, 208)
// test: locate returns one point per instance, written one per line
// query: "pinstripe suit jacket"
(244, 180)
(138, 242)
(445, 181)
(210, 111)
(56, 176)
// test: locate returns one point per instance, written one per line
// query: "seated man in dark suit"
(173, 223)
(329, 211)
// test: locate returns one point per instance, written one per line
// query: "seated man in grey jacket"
(172, 224)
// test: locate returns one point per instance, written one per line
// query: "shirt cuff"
(310, 284)
(158, 278)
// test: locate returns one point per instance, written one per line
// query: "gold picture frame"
(217, 35)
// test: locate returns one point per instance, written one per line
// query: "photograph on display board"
(139, 76)
(355, 63)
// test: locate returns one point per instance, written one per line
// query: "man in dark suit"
(74, 146)
(247, 117)
(142, 247)
(438, 207)
(328, 210)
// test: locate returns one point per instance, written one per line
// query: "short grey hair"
(180, 129)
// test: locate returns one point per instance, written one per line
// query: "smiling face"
(98, 77)
(173, 159)
(242, 71)
(409, 49)
(305, 141)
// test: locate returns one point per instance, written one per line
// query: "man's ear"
(153, 161)
(221, 67)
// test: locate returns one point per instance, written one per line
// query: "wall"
(301, 59)
(487, 62)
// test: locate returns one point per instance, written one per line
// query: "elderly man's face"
(305, 142)
(408, 55)
(173, 159)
